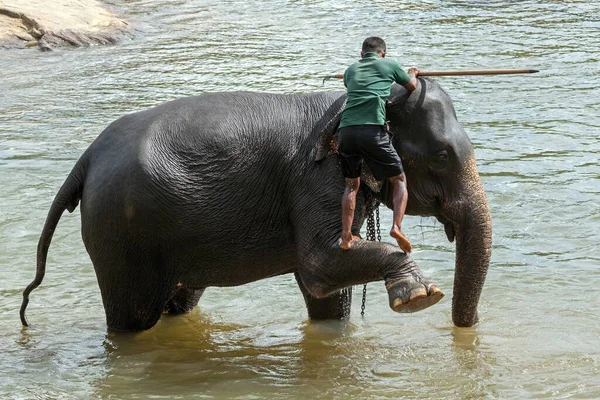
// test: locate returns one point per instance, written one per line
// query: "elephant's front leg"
(335, 306)
(332, 269)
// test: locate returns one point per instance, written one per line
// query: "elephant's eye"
(440, 160)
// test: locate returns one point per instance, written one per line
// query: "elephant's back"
(186, 129)
(210, 134)
(215, 121)
(197, 156)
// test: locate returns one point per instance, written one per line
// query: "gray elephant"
(228, 188)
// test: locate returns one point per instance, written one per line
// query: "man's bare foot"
(403, 242)
(346, 244)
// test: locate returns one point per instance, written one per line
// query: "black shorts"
(371, 143)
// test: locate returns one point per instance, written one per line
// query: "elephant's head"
(443, 182)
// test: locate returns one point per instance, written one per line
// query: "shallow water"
(536, 140)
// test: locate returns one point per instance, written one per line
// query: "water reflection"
(26, 339)
(193, 352)
(197, 354)
(474, 363)
(465, 338)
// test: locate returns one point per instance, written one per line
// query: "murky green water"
(536, 140)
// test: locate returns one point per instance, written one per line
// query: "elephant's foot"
(403, 242)
(409, 295)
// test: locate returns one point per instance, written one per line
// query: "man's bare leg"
(348, 206)
(400, 198)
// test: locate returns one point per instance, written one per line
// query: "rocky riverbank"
(29, 23)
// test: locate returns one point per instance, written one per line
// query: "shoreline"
(30, 23)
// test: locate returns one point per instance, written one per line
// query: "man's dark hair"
(373, 44)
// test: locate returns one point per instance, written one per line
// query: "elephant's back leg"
(184, 300)
(134, 286)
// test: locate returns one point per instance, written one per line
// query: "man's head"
(373, 44)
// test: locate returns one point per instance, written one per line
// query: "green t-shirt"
(369, 82)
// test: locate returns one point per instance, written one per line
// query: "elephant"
(224, 189)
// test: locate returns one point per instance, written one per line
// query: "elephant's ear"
(401, 102)
(397, 100)
(327, 127)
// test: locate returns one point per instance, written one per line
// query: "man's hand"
(412, 85)
(413, 71)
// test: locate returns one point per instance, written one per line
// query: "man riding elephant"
(363, 134)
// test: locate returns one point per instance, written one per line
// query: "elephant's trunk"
(472, 226)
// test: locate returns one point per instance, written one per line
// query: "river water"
(536, 140)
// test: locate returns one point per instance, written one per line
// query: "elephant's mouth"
(448, 227)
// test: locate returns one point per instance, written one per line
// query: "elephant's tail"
(67, 198)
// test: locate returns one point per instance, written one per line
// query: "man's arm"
(413, 72)
(408, 80)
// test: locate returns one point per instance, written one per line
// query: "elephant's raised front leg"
(334, 269)
(335, 306)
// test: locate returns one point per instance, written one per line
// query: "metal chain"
(364, 299)
(378, 224)
(370, 226)
(373, 233)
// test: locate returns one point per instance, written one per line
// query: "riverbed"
(536, 139)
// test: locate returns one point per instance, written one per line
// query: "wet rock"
(28, 23)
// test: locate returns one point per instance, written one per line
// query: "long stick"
(458, 73)
(477, 72)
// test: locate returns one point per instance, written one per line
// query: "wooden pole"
(477, 72)
(459, 73)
